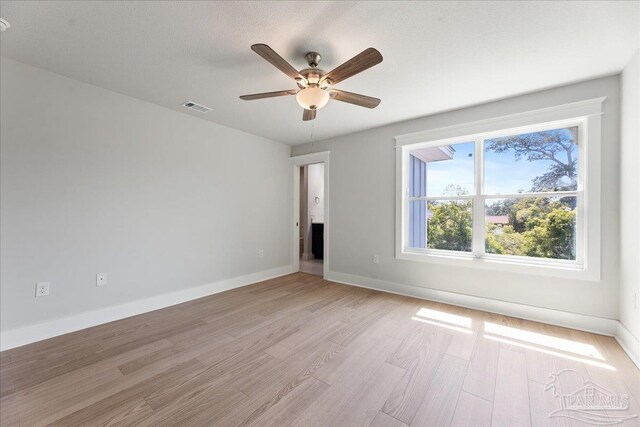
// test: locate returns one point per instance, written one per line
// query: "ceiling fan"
(316, 86)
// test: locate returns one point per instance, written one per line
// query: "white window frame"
(586, 115)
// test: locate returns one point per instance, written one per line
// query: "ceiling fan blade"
(365, 59)
(354, 98)
(308, 115)
(270, 55)
(268, 94)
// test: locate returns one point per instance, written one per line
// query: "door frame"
(295, 164)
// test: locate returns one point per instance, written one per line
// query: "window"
(510, 199)
(507, 194)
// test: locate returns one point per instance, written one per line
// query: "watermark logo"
(590, 403)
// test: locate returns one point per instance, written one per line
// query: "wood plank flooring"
(301, 351)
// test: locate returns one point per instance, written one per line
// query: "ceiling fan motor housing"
(312, 76)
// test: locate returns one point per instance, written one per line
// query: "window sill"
(560, 269)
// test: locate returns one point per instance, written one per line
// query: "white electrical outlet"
(42, 289)
(376, 259)
(101, 279)
(260, 253)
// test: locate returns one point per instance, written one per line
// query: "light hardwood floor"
(299, 351)
(312, 266)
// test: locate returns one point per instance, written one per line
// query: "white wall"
(363, 209)
(94, 181)
(630, 197)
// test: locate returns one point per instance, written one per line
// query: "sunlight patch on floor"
(444, 320)
(556, 343)
(442, 325)
(551, 352)
(441, 316)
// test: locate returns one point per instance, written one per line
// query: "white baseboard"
(629, 343)
(63, 325)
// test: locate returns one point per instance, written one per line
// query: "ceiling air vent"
(196, 107)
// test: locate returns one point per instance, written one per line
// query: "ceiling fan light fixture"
(312, 98)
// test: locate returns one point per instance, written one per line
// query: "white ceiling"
(438, 56)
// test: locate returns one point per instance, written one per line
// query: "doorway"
(310, 213)
(312, 218)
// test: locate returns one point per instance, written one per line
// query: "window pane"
(449, 225)
(532, 162)
(447, 170)
(541, 227)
